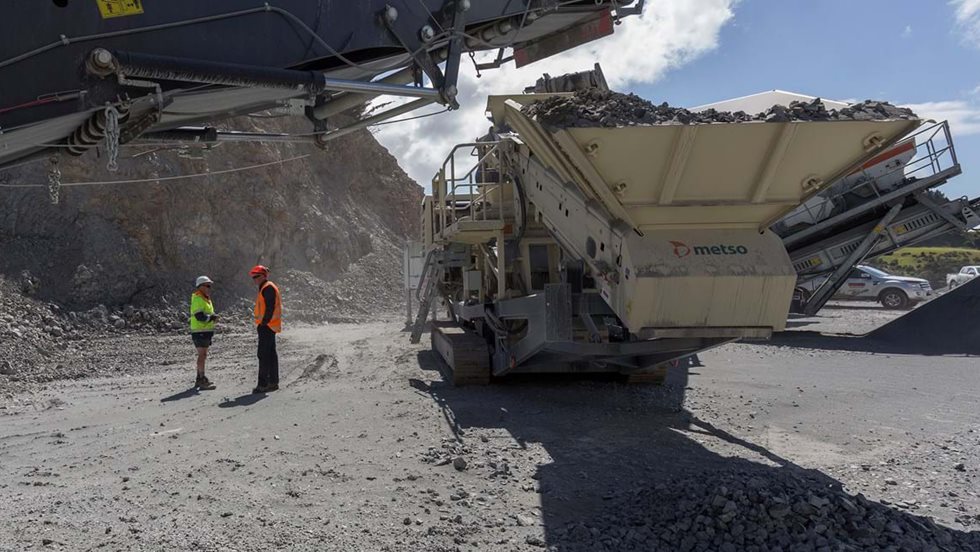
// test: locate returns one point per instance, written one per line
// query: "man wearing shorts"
(203, 322)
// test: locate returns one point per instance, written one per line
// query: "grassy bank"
(931, 263)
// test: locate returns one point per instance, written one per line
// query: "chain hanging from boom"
(54, 180)
(112, 138)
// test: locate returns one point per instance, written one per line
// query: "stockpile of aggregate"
(746, 511)
(596, 108)
(945, 325)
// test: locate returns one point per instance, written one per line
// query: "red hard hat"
(258, 270)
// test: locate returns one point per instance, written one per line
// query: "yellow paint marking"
(120, 8)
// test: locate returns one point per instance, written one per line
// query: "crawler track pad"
(655, 376)
(464, 351)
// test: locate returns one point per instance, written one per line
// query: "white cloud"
(963, 116)
(669, 34)
(968, 19)
(907, 33)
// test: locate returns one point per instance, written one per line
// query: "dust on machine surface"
(107, 73)
(594, 231)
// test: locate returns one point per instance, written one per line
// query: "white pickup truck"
(867, 283)
(965, 274)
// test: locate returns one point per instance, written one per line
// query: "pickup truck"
(867, 283)
(965, 274)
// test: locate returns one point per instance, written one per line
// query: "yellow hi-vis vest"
(200, 303)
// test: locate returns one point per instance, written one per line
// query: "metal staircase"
(430, 275)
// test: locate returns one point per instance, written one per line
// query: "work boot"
(204, 384)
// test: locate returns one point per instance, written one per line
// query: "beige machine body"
(621, 248)
(679, 213)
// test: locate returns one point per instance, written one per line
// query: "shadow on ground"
(859, 306)
(900, 345)
(607, 440)
(186, 394)
(944, 325)
(800, 323)
(244, 400)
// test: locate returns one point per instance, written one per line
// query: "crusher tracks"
(654, 376)
(658, 374)
(464, 351)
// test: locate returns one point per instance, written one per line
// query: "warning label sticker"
(119, 8)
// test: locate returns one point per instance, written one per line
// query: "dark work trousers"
(268, 357)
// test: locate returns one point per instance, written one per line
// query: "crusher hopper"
(619, 248)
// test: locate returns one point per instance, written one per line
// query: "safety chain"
(112, 137)
(476, 65)
(54, 180)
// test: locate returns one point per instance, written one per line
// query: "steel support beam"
(936, 208)
(167, 68)
(373, 120)
(923, 184)
(207, 135)
(829, 287)
(501, 267)
(349, 100)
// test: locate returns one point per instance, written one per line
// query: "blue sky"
(925, 53)
(904, 51)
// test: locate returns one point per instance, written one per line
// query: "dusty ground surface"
(356, 451)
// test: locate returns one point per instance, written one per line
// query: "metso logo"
(682, 250)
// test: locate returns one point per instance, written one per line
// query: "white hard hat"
(202, 280)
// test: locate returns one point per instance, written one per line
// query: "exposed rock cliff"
(124, 243)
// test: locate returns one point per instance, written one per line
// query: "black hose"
(522, 197)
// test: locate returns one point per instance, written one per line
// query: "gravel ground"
(844, 318)
(766, 447)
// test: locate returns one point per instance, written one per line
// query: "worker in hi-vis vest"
(203, 321)
(268, 322)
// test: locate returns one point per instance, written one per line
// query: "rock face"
(592, 108)
(124, 243)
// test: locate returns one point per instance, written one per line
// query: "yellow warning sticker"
(119, 8)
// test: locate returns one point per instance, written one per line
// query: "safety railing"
(933, 161)
(462, 188)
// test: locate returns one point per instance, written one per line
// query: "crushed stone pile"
(372, 287)
(748, 511)
(41, 341)
(945, 325)
(596, 108)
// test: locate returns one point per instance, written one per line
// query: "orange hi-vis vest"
(275, 323)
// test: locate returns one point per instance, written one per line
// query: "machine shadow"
(605, 440)
(945, 325)
(804, 339)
